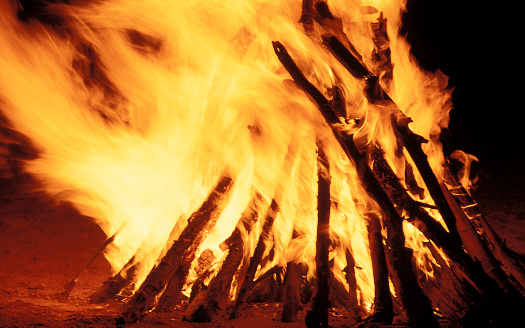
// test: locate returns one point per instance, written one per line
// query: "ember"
(287, 152)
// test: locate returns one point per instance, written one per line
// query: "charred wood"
(480, 286)
(317, 316)
(210, 300)
(399, 257)
(203, 272)
(116, 284)
(505, 301)
(155, 283)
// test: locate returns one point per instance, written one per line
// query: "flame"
(137, 106)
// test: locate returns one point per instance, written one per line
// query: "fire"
(136, 107)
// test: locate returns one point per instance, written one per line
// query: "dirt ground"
(44, 244)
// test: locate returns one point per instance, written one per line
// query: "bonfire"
(286, 148)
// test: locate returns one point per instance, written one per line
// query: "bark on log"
(505, 303)
(209, 301)
(486, 293)
(318, 315)
(155, 283)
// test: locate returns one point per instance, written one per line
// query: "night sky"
(479, 49)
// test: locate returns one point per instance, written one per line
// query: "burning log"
(203, 270)
(264, 237)
(155, 283)
(176, 283)
(383, 306)
(318, 315)
(415, 302)
(248, 282)
(292, 292)
(209, 301)
(121, 281)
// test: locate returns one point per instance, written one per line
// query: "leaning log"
(317, 316)
(209, 301)
(264, 237)
(487, 235)
(155, 283)
(173, 291)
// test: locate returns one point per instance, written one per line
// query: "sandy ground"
(44, 244)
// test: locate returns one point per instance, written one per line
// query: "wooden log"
(203, 272)
(511, 263)
(292, 292)
(209, 301)
(317, 316)
(264, 237)
(505, 301)
(383, 306)
(115, 284)
(255, 259)
(292, 289)
(155, 283)
(415, 302)
(173, 291)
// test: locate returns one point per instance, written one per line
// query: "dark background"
(479, 48)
